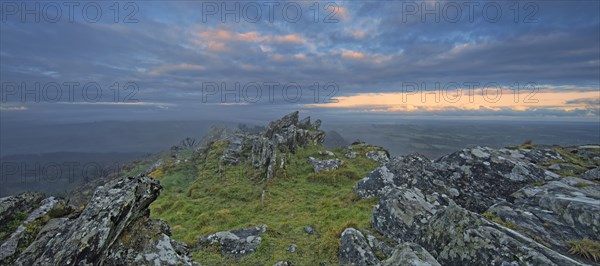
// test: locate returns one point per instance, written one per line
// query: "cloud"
(171, 52)
(489, 99)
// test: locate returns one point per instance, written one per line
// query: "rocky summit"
(276, 196)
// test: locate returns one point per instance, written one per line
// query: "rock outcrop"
(267, 149)
(478, 206)
(113, 229)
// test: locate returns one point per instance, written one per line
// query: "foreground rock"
(113, 229)
(478, 206)
(236, 243)
(378, 156)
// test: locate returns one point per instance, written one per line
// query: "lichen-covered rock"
(324, 165)
(556, 212)
(410, 254)
(456, 236)
(438, 205)
(355, 250)
(24, 202)
(402, 213)
(89, 239)
(378, 156)
(286, 132)
(231, 155)
(8, 248)
(147, 242)
(592, 174)
(236, 243)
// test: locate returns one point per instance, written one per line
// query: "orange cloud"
(480, 99)
(217, 40)
(300, 56)
(353, 54)
(291, 38)
(356, 55)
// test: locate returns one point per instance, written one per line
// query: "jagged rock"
(236, 243)
(433, 204)
(324, 165)
(354, 249)
(350, 155)
(456, 236)
(484, 176)
(593, 174)
(24, 202)
(305, 123)
(556, 212)
(231, 155)
(147, 242)
(402, 213)
(280, 125)
(89, 238)
(376, 183)
(377, 245)
(285, 132)
(378, 156)
(410, 254)
(317, 124)
(413, 170)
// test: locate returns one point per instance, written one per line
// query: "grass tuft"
(586, 248)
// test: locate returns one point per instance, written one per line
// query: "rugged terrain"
(277, 196)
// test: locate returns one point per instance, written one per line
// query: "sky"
(84, 61)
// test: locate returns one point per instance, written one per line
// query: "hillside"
(279, 197)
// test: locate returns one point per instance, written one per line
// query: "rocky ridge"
(480, 206)
(518, 206)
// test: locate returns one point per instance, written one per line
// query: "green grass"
(586, 248)
(9, 227)
(582, 184)
(201, 197)
(528, 144)
(498, 220)
(572, 164)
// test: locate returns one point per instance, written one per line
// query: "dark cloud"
(374, 47)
